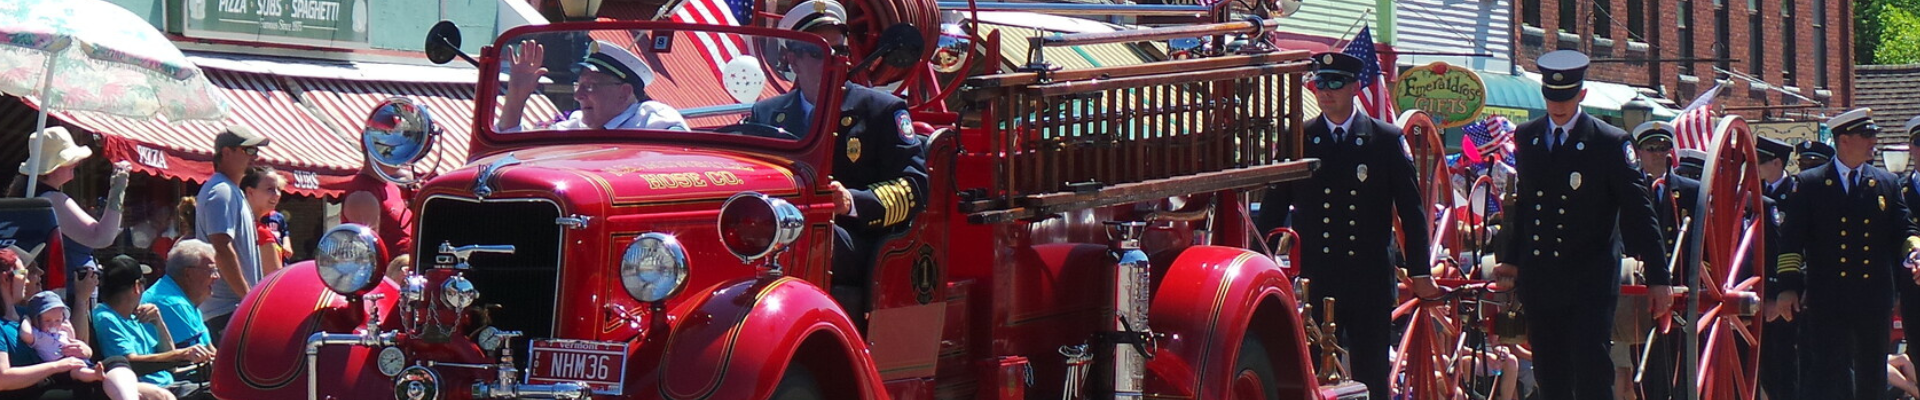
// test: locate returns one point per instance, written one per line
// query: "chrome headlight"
(654, 267)
(753, 225)
(348, 259)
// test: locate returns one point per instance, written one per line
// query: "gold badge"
(780, 118)
(853, 150)
(1883, 203)
(1361, 172)
(1829, 182)
(1326, 59)
(1557, 76)
(846, 121)
(1872, 183)
(1574, 181)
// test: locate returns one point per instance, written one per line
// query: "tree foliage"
(1899, 36)
(1886, 31)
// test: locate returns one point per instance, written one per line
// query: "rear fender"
(1206, 305)
(262, 352)
(736, 341)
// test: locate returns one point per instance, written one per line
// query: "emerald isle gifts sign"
(321, 23)
(1454, 96)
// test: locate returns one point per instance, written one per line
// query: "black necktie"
(1559, 135)
(1339, 134)
(1853, 180)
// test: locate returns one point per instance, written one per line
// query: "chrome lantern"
(398, 134)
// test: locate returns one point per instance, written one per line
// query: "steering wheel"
(758, 129)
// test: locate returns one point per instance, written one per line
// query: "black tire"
(798, 384)
(1254, 359)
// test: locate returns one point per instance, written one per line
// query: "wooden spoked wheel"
(1732, 262)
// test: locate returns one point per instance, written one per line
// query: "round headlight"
(348, 259)
(753, 225)
(654, 267)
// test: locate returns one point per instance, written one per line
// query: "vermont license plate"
(600, 365)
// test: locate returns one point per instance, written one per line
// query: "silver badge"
(1574, 180)
(1361, 172)
(1580, 145)
(1536, 141)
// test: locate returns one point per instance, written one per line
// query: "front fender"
(262, 352)
(1206, 305)
(736, 340)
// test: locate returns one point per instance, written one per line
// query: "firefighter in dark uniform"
(1813, 154)
(1674, 197)
(1844, 238)
(1345, 216)
(1909, 289)
(879, 170)
(1578, 197)
(1779, 348)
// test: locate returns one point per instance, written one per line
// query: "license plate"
(600, 365)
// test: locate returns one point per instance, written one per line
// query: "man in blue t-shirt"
(188, 282)
(126, 328)
(225, 221)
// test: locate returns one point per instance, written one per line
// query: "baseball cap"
(120, 273)
(239, 136)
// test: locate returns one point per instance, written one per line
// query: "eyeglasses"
(814, 51)
(251, 150)
(592, 87)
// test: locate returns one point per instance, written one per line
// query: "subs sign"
(1453, 96)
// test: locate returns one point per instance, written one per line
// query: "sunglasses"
(1657, 148)
(1329, 84)
(814, 51)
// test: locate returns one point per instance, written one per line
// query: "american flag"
(716, 48)
(1693, 129)
(1491, 136)
(1373, 84)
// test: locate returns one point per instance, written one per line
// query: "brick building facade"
(1798, 46)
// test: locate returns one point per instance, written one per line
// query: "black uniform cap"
(1562, 73)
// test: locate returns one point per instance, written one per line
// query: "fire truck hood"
(623, 173)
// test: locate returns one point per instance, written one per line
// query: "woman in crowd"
(263, 187)
(23, 375)
(59, 155)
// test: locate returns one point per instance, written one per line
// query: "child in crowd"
(52, 331)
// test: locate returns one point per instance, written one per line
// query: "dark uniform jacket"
(1844, 247)
(876, 155)
(1341, 211)
(1575, 207)
(1674, 202)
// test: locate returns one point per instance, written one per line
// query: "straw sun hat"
(57, 149)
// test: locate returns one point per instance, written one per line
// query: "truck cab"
(1085, 235)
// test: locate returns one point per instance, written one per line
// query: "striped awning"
(318, 159)
(315, 124)
(346, 104)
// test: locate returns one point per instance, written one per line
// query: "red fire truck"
(1086, 236)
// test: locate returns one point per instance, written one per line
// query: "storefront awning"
(314, 155)
(1513, 96)
(313, 112)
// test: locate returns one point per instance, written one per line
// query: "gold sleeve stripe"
(896, 196)
(1789, 263)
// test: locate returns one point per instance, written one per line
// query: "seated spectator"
(126, 328)
(23, 375)
(188, 282)
(52, 332)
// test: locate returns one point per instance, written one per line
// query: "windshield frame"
(491, 84)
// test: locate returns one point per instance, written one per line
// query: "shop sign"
(1517, 115)
(322, 23)
(1453, 96)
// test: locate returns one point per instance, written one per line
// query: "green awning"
(1513, 92)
